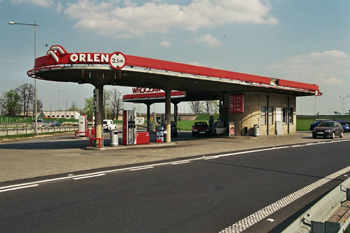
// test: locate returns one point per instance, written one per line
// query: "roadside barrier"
(316, 219)
(27, 130)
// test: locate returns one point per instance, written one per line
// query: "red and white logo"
(56, 51)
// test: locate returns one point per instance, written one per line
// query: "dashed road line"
(89, 176)
(2, 190)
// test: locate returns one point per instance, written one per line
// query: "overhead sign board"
(116, 60)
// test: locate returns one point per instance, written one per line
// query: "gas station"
(246, 102)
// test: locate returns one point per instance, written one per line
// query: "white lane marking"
(252, 219)
(17, 188)
(89, 176)
(180, 162)
(34, 183)
(141, 168)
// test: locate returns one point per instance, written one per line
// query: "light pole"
(343, 102)
(58, 107)
(35, 96)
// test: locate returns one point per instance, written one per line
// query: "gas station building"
(246, 101)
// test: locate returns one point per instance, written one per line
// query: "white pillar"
(168, 114)
(99, 115)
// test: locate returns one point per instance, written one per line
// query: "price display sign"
(235, 103)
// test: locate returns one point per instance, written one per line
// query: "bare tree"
(26, 93)
(211, 106)
(106, 99)
(196, 107)
(116, 103)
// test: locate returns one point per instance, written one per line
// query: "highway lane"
(204, 195)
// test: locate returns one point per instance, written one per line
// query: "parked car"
(200, 128)
(108, 125)
(328, 129)
(345, 124)
(54, 124)
(40, 123)
(317, 122)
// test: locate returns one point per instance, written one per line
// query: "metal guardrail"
(315, 219)
(26, 130)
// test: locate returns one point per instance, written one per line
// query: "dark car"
(200, 128)
(317, 122)
(328, 129)
(345, 124)
(54, 124)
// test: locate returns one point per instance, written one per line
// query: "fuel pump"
(129, 127)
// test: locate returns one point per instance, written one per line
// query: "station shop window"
(291, 113)
(284, 116)
(263, 115)
(270, 115)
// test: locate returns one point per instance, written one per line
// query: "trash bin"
(256, 130)
(114, 138)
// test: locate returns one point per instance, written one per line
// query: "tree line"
(20, 102)
(208, 107)
(112, 102)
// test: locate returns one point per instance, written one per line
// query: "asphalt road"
(201, 195)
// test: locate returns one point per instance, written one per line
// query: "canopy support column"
(168, 114)
(98, 102)
(148, 117)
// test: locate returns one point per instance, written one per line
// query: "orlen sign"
(96, 58)
(142, 90)
(116, 60)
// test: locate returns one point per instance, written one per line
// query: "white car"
(108, 125)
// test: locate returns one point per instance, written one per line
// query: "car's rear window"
(200, 124)
(327, 124)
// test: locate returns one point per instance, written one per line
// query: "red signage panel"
(235, 103)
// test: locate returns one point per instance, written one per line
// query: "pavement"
(62, 154)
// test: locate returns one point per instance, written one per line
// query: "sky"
(298, 40)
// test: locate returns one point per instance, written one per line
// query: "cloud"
(8, 60)
(131, 20)
(165, 43)
(43, 3)
(59, 7)
(328, 67)
(208, 39)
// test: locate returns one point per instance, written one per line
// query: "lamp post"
(343, 102)
(59, 99)
(35, 94)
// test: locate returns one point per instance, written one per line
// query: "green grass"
(303, 124)
(185, 125)
(347, 230)
(30, 135)
(17, 136)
